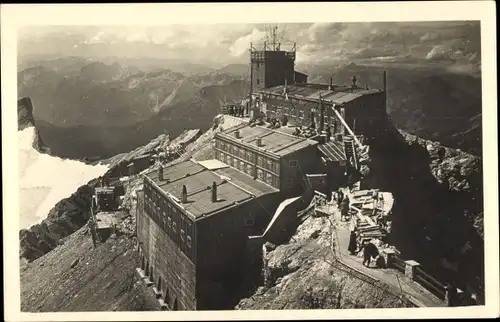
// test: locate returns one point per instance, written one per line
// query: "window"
(269, 178)
(242, 153)
(188, 241)
(301, 114)
(248, 221)
(249, 169)
(269, 165)
(259, 161)
(293, 163)
(260, 174)
(249, 156)
(258, 65)
(242, 165)
(182, 234)
(169, 222)
(174, 227)
(258, 81)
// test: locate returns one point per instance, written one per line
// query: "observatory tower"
(270, 65)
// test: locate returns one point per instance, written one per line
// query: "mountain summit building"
(278, 90)
(194, 218)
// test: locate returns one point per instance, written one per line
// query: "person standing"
(369, 251)
(353, 229)
(344, 209)
(340, 197)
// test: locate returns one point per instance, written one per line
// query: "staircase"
(350, 151)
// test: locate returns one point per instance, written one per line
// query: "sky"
(454, 43)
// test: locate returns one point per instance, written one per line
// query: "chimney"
(385, 89)
(331, 84)
(385, 80)
(237, 134)
(286, 83)
(259, 142)
(160, 173)
(214, 192)
(184, 194)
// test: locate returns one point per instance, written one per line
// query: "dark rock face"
(25, 113)
(438, 212)
(67, 216)
(25, 119)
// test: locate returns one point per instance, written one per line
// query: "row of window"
(248, 168)
(172, 220)
(243, 154)
(165, 221)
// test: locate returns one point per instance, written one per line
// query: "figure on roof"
(328, 132)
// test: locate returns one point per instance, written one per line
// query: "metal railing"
(430, 283)
(399, 264)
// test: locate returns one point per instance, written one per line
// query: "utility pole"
(250, 107)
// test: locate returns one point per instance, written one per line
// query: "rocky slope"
(25, 119)
(75, 277)
(304, 275)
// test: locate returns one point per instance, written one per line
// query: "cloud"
(242, 44)
(325, 43)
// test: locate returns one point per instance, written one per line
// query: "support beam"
(346, 126)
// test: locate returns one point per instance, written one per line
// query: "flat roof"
(245, 181)
(338, 94)
(273, 141)
(198, 180)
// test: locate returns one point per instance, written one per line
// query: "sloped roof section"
(337, 94)
(333, 151)
(273, 141)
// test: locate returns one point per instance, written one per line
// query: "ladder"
(350, 151)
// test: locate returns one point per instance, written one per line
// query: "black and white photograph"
(251, 165)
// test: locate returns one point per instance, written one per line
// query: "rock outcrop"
(303, 274)
(25, 119)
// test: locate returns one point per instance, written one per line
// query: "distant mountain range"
(91, 109)
(96, 109)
